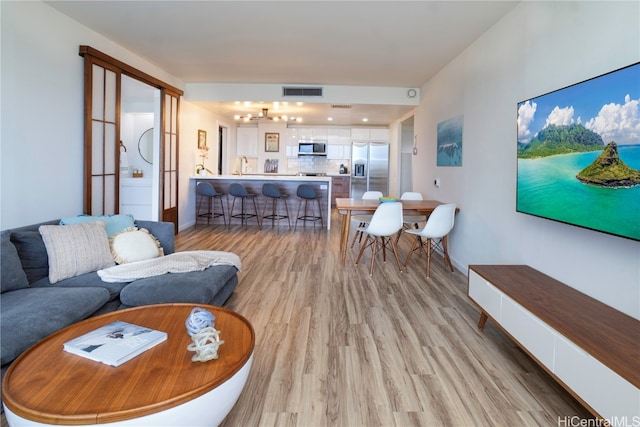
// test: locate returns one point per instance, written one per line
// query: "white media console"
(591, 349)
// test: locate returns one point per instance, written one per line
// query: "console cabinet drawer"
(607, 392)
(485, 295)
(529, 331)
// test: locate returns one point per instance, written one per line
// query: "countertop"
(256, 177)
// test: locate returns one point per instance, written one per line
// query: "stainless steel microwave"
(309, 148)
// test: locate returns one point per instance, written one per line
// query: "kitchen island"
(287, 184)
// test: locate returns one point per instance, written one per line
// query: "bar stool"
(308, 193)
(238, 191)
(271, 191)
(206, 190)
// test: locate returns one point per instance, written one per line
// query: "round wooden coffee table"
(160, 387)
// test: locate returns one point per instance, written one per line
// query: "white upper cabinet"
(247, 141)
(338, 152)
(339, 136)
(310, 133)
(304, 133)
(292, 137)
(339, 144)
(319, 134)
(370, 134)
(360, 134)
(379, 135)
(291, 143)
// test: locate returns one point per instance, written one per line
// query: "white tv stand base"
(591, 349)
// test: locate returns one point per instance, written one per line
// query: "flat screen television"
(579, 154)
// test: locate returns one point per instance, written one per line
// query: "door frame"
(111, 152)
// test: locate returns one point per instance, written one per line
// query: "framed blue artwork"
(450, 142)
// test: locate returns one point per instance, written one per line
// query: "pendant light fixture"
(264, 115)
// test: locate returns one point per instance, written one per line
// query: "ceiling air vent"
(301, 91)
(341, 106)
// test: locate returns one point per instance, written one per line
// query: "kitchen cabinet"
(319, 134)
(360, 134)
(370, 134)
(379, 135)
(291, 143)
(340, 187)
(311, 133)
(338, 152)
(339, 136)
(292, 137)
(247, 141)
(339, 144)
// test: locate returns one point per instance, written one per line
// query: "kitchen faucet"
(245, 161)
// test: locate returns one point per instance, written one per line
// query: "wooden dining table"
(347, 206)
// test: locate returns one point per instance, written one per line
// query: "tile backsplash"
(313, 164)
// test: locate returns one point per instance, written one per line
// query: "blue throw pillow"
(113, 223)
(13, 276)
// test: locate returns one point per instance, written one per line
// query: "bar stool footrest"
(243, 215)
(309, 218)
(275, 217)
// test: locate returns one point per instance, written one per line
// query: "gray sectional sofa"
(32, 308)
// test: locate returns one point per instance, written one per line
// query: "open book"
(115, 343)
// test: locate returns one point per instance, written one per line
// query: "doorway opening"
(406, 152)
(139, 149)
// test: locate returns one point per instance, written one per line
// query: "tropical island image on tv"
(607, 170)
(579, 154)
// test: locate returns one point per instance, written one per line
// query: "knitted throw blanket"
(179, 262)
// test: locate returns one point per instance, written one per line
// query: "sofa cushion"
(13, 276)
(29, 315)
(76, 249)
(32, 253)
(163, 231)
(83, 281)
(198, 287)
(113, 223)
(133, 245)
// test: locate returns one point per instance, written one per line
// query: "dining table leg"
(344, 234)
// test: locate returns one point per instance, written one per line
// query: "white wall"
(41, 140)
(193, 118)
(537, 48)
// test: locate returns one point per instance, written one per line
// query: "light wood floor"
(336, 347)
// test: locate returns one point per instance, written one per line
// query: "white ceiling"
(352, 43)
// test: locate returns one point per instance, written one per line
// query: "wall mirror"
(145, 146)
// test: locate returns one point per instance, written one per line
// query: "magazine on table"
(115, 343)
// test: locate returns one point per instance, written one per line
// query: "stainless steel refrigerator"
(369, 168)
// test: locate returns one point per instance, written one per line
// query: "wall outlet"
(437, 182)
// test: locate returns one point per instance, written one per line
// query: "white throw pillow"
(133, 245)
(76, 249)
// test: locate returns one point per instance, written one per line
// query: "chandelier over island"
(263, 114)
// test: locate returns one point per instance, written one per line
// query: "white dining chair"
(385, 223)
(411, 221)
(364, 219)
(438, 226)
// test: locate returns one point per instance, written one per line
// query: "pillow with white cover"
(133, 245)
(76, 249)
